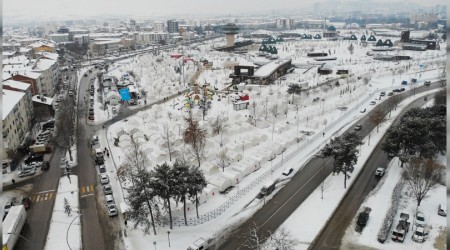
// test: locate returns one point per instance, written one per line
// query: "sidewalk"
(65, 230)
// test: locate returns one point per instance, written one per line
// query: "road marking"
(37, 199)
(318, 172)
(33, 199)
(87, 189)
(46, 196)
(87, 195)
(83, 189)
(46, 191)
(92, 188)
(51, 195)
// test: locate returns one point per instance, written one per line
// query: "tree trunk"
(170, 212)
(196, 205)
(345, 179)
(184, 203)
(151, 216)
(70, 154)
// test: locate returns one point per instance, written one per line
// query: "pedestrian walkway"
(87, 189)
(42, 197)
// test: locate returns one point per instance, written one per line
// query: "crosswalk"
(50, 195)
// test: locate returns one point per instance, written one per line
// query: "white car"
(419, 235)
(373, 102)
(109, 199)
(104, 179)
(379, 172)
(288, 171)
(420, 219)
(112, 210)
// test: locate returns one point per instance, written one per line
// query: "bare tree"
(422, 175)
(285, 108)
(223, 160)
(254, 112)
(218, 126)
(169, 140)
(65, 126)
(282, 239)
(195, 136)
(393, 103)
(377, 117)
(252, 239)
(274, 110)
(351, 48)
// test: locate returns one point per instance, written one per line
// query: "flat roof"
(10, 100)
(269, 68)
(48, 100)
(17, 84)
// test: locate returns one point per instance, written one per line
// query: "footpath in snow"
(65, 229)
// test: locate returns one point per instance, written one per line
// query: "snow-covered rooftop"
(47, 100)
(10, 100)
(267, 69)
(16, 84)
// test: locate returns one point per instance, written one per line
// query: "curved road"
(286, 201)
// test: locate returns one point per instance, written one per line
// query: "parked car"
(112, 210)
(390, 93)
(362, 111)
(383, 93)
(26, 202)
(45, 165)
(32, 158)
(109, 199)
(396, 90)
(380, 172)
(363, 217)
(420, 218)
(107, 189)
(402, 89)
(358, 127)
(442, 211)
(373, 102)
(427, 83)
(288, 171)
(102, 169)
(91, 117)
(28, 172)
(419, 235)
(85, 75)
(104, 179)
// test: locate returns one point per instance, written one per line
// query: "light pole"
(168, 238)
(154, 244)
(67, 233)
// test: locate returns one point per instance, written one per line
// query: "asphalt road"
(286, 201)
(331, 236)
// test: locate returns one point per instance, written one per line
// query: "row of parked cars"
(91, 102)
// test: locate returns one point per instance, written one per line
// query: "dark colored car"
(402, 89)
(33, 158)
(363, 217)
(45, 165)
(91, 117)
(26, 202)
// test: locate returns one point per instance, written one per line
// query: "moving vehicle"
(427, 83)
(199, 244)
(380, 172)
(419, 235)
(12, 226)
(399, 233)
(267, 189)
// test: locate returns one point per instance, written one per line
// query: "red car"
(26, 202)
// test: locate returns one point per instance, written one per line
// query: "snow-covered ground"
(65, 229)
(248, 145)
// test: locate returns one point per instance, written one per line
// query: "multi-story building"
(104, 46)
(49, 75)
(172, 26)
(159, 26)
(415, 17)
(59, 38)
(25, 88)
(285, 23)
(152, 37)
(81, 39)
(15, 120)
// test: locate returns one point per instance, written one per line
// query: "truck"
(12, 226)
(267, 189)
(399, 233)
(97, 151)
(39, 149)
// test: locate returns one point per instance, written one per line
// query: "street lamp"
(168, 239)
(67, 233)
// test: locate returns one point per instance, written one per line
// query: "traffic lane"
(279, 208)
(331, 236)
(92, 232)
(39, 214)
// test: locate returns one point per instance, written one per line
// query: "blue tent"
(125, 94)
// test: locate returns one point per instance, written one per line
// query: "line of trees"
(417, 139)
(152, 191)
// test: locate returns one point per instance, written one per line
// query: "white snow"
(65, 229)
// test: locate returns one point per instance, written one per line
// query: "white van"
(199, 244)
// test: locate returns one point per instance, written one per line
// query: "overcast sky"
(72, 8)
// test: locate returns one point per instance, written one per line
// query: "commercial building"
(59, 38)
(172, 26)
(285, 23)
(152, 38)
